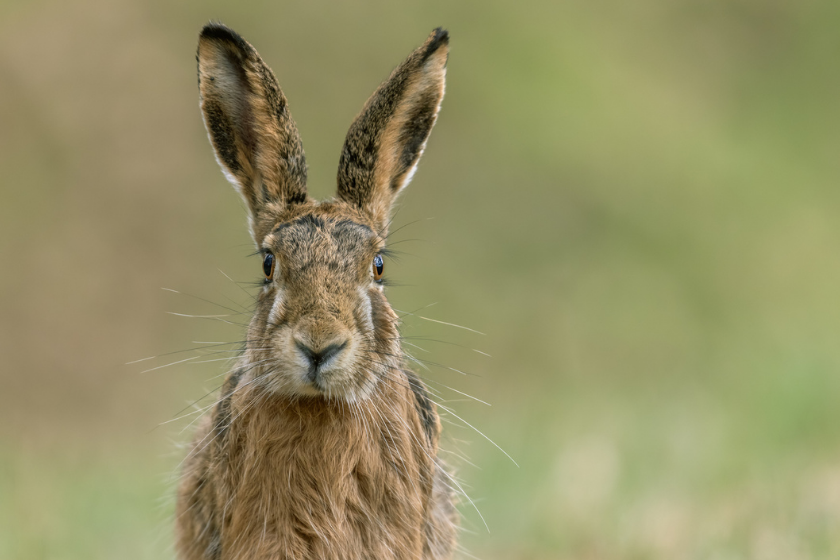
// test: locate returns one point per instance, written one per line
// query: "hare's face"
(322, 320)
(322, 325)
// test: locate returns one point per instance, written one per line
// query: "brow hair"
(318, 222)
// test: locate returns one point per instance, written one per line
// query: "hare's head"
(322, 326)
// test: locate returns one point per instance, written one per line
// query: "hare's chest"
(344, 495)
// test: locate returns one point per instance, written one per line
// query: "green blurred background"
(636, 201)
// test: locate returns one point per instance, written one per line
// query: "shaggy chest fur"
(312, 479)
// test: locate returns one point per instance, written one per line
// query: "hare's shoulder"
(198, 534)
(426, 409)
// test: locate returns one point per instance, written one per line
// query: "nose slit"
(320, 357)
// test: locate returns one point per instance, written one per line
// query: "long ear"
(387, 139)
(247, 118)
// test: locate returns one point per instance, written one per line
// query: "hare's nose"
(319, 357)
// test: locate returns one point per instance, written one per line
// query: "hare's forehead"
(313, 237)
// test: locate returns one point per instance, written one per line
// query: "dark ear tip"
(438, 38)
(217, 31)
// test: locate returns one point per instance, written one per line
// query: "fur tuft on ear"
(247, 118)
(386, 140)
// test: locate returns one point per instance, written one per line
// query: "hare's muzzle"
(323, 348)
(320, 357)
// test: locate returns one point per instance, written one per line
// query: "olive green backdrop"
(637, 202)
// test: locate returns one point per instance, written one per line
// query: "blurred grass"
(637, 202)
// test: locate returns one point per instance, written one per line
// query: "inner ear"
(247, 118)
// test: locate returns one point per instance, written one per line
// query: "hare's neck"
(318, 472)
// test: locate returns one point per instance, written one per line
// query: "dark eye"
(378, 267)
(268, 266)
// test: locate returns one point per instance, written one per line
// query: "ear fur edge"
(387, 138)
(254, 137)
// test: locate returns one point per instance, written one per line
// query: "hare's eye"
(378, 267)
(268, 266)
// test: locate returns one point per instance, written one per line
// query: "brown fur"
(303, 457)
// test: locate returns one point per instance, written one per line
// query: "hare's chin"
(332, 383)
(351, 395)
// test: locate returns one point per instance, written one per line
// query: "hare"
(323, 444)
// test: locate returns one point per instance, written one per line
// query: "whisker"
(244, 291)
(479, 432)
(200, 299)
(200, 316)
(403, 338)
(404, 313)
(424, 363)
(186, 350)
(170, 364)
(451, 325)
(405, 225)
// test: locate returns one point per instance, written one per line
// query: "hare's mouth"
(321, 359)
(331, 370)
